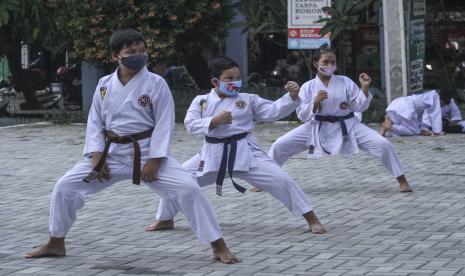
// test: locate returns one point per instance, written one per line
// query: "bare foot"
(404, 186)
(54, 248)
(221, 253)
(255, 189)
(314, 223)
(425, 132)
(160, 225)
(386, 126)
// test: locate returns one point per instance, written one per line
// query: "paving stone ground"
(372, 228)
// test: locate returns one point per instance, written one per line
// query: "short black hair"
(217, 66)
(324, 49)
(125, 38)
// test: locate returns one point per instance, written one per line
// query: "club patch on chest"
(103, 91)
(344, 105)
(241, 104)
(144, 100)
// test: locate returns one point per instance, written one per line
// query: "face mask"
(134, 62)
(230, 89)
(327, 70)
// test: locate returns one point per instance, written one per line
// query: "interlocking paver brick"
(372, 228)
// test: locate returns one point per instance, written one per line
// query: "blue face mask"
(230, 89)
(134, 62)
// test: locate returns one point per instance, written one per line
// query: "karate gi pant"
(369, 140)
(173, 182)
(267, 176)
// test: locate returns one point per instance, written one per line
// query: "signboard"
(303, 32)
(417, 44)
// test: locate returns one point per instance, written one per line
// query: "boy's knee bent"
(278, 145)
(190, 188)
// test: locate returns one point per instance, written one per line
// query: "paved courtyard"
(372, 228)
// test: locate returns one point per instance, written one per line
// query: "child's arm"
(95, 138)
(305, 110)
(194, 122)
(360, 98)
(268, 111)
(455, 114)
(163, 114)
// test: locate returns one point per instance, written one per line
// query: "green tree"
(175, 30)
(346, 17)
(20, 21)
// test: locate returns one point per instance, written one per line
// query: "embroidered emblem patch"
(103, 91)
(241, 104)
(144, 100)
(344, 105)
(201, 165)
(203, 105)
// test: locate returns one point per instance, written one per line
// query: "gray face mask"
(135, 62)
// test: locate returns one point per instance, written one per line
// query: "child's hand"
(318, 99)
(105, 171)
(149, 172)
(224, 117)
(321, 96)
(365, 80)
(293, 88)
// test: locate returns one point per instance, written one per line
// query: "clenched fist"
(293, 88)
(365, 81)
(224, 117)
(322, 95)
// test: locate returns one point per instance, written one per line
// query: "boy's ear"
(114, 56)
(214, 82)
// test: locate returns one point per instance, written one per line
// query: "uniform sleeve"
(163, 113)
(305, 109)
(268, 111)
(95, 139)
(194, 122)
(358, 101)
(455, 114)
(425, 121)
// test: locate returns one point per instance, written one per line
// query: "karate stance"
(404, 115)
(329, 106)
(451, 117)
(130, 123)
(226, 118)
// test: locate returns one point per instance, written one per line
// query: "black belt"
(111, 137)
(232, 158)
(335, 119)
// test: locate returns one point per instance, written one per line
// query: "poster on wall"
(417, 44)
(302, 31)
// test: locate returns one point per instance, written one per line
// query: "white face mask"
(327, 70)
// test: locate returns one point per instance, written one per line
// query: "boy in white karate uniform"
(404, 115)
(451, 117)
(226, 118)
(329, 106)
(130, 123)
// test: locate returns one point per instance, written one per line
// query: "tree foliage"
(345, 15)
(174, 29)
